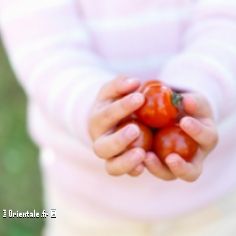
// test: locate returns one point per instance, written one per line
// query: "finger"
(196, 105)
(126, 162)
(203, 132)
(137, 171)
(116, 111)
(108, 146)
(118, 87)
(155, 167)
(184, 170)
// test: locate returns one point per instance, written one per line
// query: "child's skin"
(117, 100)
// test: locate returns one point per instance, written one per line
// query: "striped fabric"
(63, 51)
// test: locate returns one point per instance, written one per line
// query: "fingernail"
(131, 132)
(188, 123)
(151, 158)
(138, 154)
(136, 98)
(131, 81)
(173, 161)
(139, 169)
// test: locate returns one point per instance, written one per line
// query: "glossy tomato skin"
(158, 109)
(145, 138)
(173, 139)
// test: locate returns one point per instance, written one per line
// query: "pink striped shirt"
(63, 51)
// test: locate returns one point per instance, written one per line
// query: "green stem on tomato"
(177, 99)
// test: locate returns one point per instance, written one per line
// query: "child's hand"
(117, 100)
(202, 129)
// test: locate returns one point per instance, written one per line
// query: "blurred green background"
(20, 183)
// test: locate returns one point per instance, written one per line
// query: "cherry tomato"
(173, 139)
(145, 138)
(161, 105)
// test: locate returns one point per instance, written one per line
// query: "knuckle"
(191, 179)
(213, 140)
(104, 88)
(109, 116)
(169, 178)
(183, 175)
(91, 132)
(120, 165)
(106, 147)
(121, 109)
(134, 173)
(124, 103)
(118, 145)
(98, 149)
(112, 170)
(131, 102)
(113, 114)
(164, 176)
(93, 127)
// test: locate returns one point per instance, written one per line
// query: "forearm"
(206, 63)
(53, 60)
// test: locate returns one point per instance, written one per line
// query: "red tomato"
(145, 138)
(161, 105)
(173, 139)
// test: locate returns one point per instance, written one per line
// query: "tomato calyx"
(176, 99)
(177, 102)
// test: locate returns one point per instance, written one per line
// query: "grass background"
(20, 183)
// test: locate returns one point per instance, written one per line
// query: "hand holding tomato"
(121, 148)
(172, 139)
(145, 138)
(200, 126)
(117, 100)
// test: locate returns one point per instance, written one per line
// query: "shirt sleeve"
(207, 61)
(53, 56)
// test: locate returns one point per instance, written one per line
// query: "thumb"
(197, 105)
